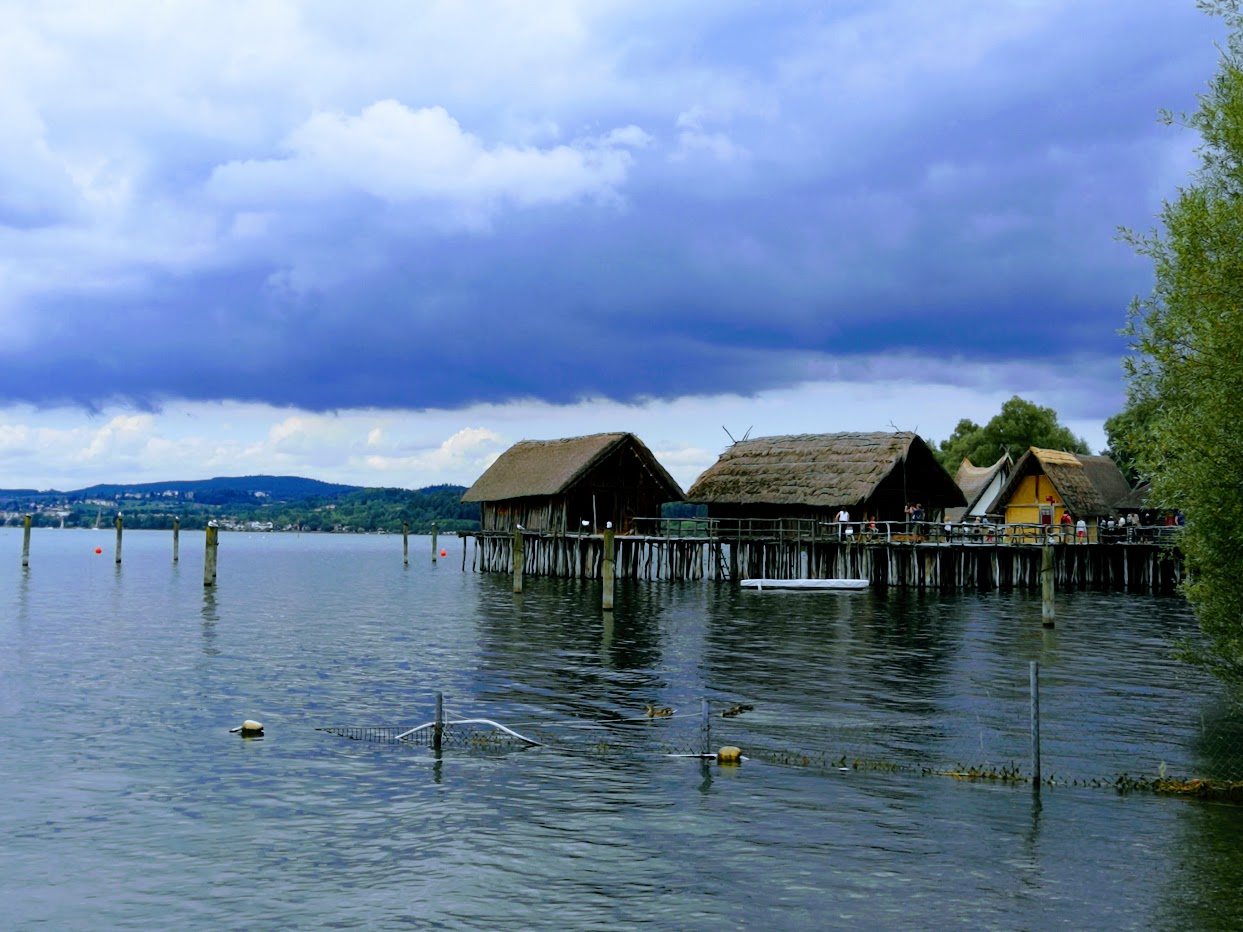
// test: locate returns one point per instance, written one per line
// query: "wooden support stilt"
(209, 556)
(607, 570)
(517, 551)
(1046, 586)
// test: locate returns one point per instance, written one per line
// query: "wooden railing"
(794, 530)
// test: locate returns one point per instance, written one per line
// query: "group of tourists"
(1072, 529)
(1125, 527)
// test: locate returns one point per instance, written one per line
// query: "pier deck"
(1010, 560)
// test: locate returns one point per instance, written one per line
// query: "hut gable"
(553, 484)
(817, 473)
(1088, 486)
(980, 485)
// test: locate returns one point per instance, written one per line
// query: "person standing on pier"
(843, 519)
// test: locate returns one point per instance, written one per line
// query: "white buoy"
(248, 729)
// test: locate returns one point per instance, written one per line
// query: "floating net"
(661, 732)
(480, 733)
(994, 738)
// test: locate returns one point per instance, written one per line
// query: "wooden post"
(433, 541)
(1046, 585)
(1035, 720)
(405, 543)
(438, 729)
(120, 524)
(176, 538)
(607, 572)
(209, 557)
(26, 540)
(517, 560)
(705, 730)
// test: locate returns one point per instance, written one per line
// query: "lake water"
(128, 804)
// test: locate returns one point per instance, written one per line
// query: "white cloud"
(694, 138)
(397, 154)
(65, 448)
(121, 438)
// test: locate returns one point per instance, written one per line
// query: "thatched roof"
(974, 480)
(538, 468)
(1134, 500)
(815, 470)
(1089, 485)
(1107, 478)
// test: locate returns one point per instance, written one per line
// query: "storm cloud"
(386, 206)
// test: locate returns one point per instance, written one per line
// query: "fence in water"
(1018, 731)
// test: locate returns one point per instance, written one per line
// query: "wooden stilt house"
(1045, 484)
(572, 485)
(871, 475)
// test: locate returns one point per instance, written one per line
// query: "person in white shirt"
(843, 519)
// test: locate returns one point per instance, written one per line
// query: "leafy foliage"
(1186, 374)
(1128, 433)
(1020, 424)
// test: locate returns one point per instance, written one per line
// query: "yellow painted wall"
(1024, 505)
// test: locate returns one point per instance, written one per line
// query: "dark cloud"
(789, 218)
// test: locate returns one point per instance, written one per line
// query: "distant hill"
(248, 502)
(274, 488)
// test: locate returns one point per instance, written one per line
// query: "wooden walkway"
(1136, 566)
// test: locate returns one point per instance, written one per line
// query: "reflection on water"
(130, 804)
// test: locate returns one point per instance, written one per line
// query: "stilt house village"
(865, 506)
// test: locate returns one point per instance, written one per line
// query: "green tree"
(1128, 433)
(1020, 424)
(1187, 364)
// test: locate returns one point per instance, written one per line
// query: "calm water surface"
(127, 803)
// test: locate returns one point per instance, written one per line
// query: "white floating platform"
(804, 584)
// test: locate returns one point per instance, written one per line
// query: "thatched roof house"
(555, 485)
(980, 485)
(1135, 500)
(1107, 479)
(1046, 483)
(815, 475)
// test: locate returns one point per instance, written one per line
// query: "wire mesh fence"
(1022, 730)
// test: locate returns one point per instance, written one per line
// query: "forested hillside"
(248, 503)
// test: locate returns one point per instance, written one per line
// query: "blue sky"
(378, 243)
